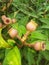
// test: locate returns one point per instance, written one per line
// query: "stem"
(24, 43)
(25, 36)
(15, 13)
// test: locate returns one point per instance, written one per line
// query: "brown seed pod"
(31, 26)
(39, 46)
(7, 21)
(13, 33)
(13, 20)
(3, 17)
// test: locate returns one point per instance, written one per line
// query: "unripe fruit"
(13, 33)
(39, 46)
(31, 26)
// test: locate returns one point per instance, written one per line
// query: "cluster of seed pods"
(31, 26)
(7, 20)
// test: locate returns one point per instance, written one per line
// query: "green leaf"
(44, 20)
(13, 57)
(21, 29)
(2, 54)
(38, 35)
(23, 20)
(11, 42)
(47, 8)
(29, 55)
(3, 43)
(46, 55)
(45, 26)
(25, 10)
(47, 45)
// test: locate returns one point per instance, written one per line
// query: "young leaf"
(13, 57)
(3, 43)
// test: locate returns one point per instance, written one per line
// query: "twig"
(24, 43)
(5, 7)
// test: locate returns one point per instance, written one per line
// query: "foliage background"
(24, 11)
